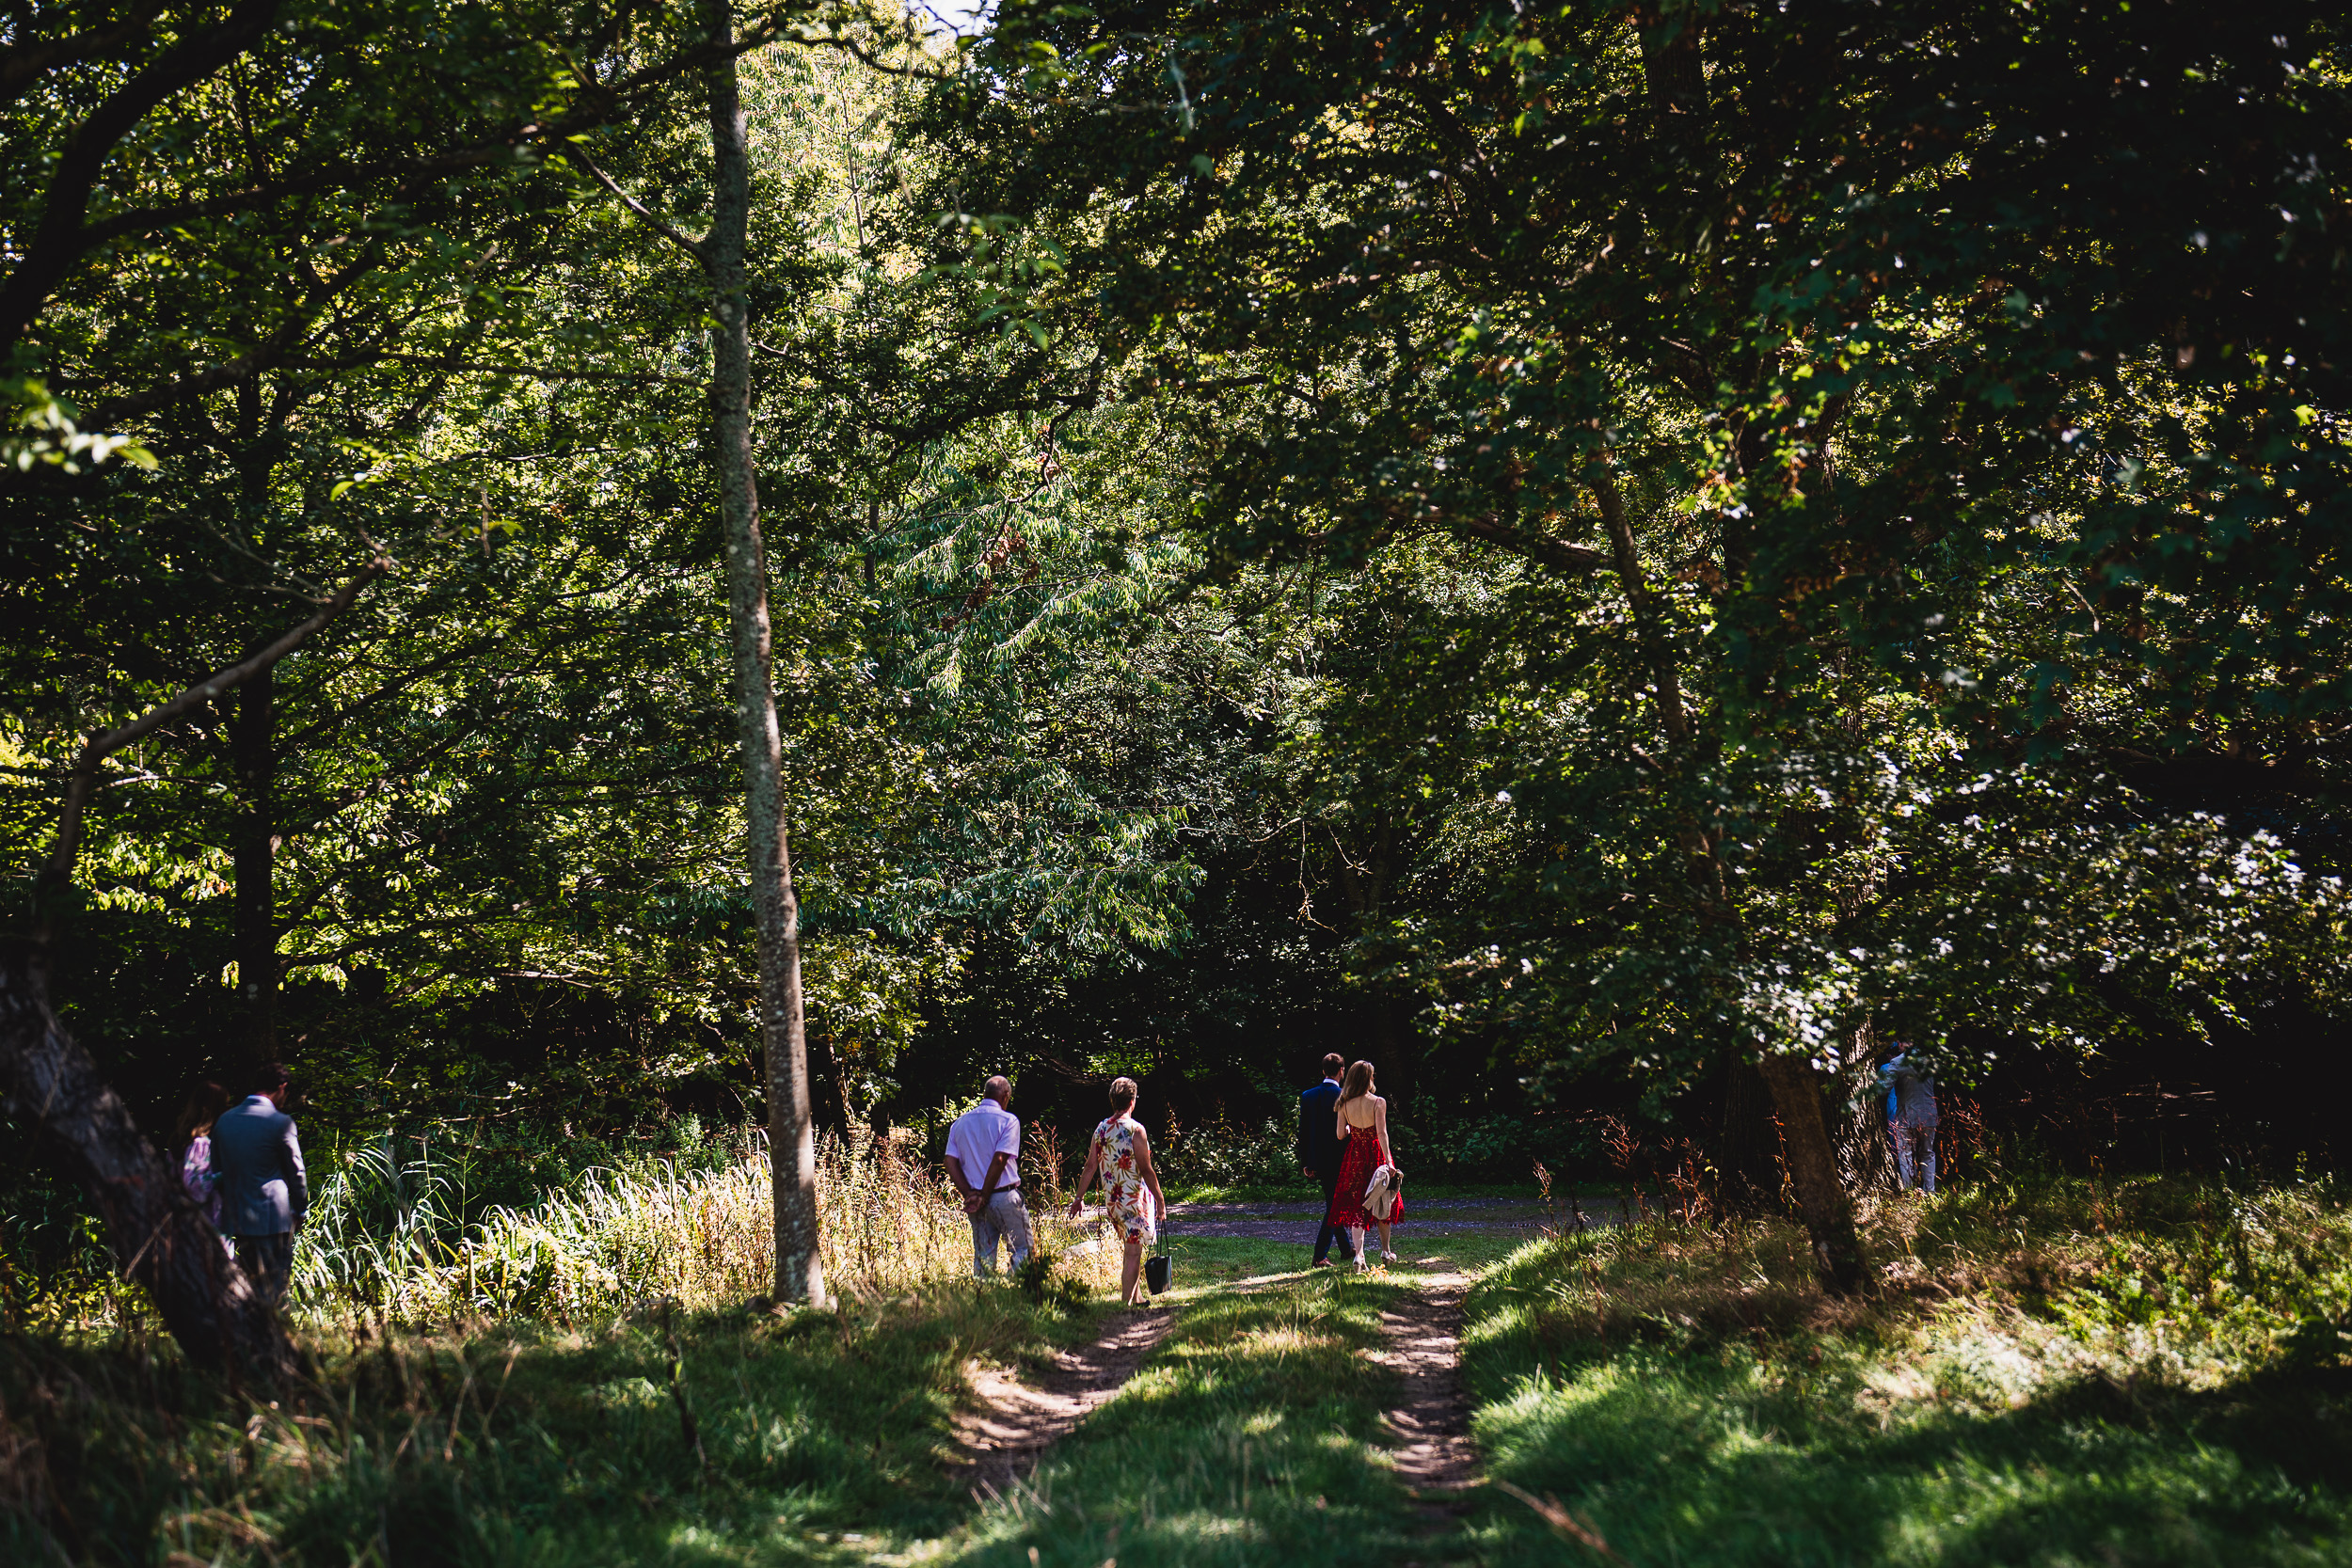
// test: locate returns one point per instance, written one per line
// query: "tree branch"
(59, 239)
(659, 225)
(59, 873)
(1542, 549)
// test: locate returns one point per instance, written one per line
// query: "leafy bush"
(1499, 1148)
(1220, 1154)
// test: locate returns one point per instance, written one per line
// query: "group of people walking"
(242, 1163)
(1342, 1146)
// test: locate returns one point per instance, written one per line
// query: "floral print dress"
(1126, 1201)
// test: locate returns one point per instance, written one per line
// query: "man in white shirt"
(984, 1162)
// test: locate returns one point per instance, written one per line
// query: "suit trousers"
(1329, 1180)
(269, 1261)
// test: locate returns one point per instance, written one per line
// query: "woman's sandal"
(1387, 1257)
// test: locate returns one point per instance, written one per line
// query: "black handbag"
(1156, 1267)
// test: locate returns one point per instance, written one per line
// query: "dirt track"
(1018, 1421)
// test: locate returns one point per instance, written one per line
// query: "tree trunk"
(1865, 1158)
(1821, 1198)
(253, 754)
(782, 1026)
(159, 1237)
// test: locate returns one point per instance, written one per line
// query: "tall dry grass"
(385, 1243)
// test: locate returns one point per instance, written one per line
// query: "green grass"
(823, 1436)
(512, 1446)
(2055, 1373)
(1248, 1439)
(2148, 1374)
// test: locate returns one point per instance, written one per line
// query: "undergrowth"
(394, 1237)
(2049, 1371)
(509, 1444)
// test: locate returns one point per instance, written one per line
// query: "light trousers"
(1914, 1144)
(1002, 1215)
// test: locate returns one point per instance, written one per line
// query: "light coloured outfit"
(203, 1184)
(1911, 1119)
(973, 1141)
(1126, 1201)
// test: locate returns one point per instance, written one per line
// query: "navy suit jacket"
(1318, 1134)
(262, 1189)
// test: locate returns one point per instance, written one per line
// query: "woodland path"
(1423, 1335)
(1018, 1421)
(1294, 1221)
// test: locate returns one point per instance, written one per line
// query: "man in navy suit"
(263, 1190)
(1319, 1153)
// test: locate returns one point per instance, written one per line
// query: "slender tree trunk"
(782, 1026)
(1813, 1166)
(253, 754)
(159, 1237)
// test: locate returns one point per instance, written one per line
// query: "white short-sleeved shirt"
(981, 1134)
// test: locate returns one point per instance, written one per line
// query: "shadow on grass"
(1696, 1403)
(1247, 1439)
(775, 1438)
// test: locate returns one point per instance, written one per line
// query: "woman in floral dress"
(1132, 1199)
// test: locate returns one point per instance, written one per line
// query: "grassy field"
(720, 1437)
(2056, 1374)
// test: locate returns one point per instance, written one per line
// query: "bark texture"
(1821, 1198)
(783, 1025)
(1865, 1156)
(159, 1237)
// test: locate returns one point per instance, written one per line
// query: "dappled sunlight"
(2053, 1412)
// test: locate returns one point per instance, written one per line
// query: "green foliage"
(1218, 1154)
(1739, 465)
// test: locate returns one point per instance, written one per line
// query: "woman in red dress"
(1363, 1127)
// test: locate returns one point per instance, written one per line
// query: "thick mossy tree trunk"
(159, 1237)
(783, 1025)
(1865, 1157)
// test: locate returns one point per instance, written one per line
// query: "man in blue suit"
(1319, 1153)
(263, 1190)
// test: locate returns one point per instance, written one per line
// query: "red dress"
(1355, 1168)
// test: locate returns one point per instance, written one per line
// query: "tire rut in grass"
(1425, 1346)
(1018, 1421)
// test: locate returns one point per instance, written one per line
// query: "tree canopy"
(1538, 543)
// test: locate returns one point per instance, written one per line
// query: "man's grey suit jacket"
(263, 1190)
